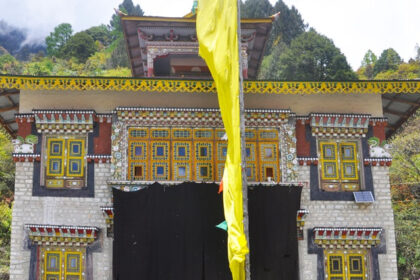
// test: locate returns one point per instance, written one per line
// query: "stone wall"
(59, 211)
(349, 214)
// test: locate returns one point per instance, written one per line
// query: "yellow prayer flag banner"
(217, 26)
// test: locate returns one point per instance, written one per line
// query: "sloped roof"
(256, 31)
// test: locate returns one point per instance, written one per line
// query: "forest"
(295, 51)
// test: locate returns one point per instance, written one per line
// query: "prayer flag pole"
(243, 146)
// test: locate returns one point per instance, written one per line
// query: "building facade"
(78, 138)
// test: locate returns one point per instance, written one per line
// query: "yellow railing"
(205, 86)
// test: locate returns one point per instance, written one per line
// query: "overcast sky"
(354, 25)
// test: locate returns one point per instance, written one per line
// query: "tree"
(256, 9)
(100, 33)
(58, 38)
(405, 178)
(310, 56)
(389, 60)
(80, 46)
(369, 58)
(128, 8)
(288, 26)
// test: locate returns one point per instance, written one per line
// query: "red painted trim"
(302, 144)
(102, 143)
(24, 128)
(379, 130)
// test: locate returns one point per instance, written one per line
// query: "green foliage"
(81, 46)
(128, 8)
(100, 33)
(9, 65)
(256, 9)
(58, 38)
(369, 58)
(288, 26)
(119, 56)
(405, 181)
(389, 60)
(310, 56)
(5, 224)
(7, 168)
(406, 154)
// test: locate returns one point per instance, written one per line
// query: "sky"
(354, 25)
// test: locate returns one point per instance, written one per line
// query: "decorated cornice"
(20, 118)
(378, 121)
(205, 86)
(99, 158)
(22, 157)
(347, 237)
(378, 161)
(300, 222)
(108, 213)
(307, 160)
(65, 121)
(62, 235)
(198, 117)
(347, 125)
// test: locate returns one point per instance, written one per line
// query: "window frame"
(339, 179)
(316, 193)
(39, 188)
(66, 158)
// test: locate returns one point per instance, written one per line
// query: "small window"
(203, 171)
(160, 170)
(224, 151)
(248, 152)
(62, 264)
(248, 172)
(269, 172)
(181, 151)
(339, 166)
(65, 162)
(268, 152)
(346, 264)
(181, 171)
(138, 171)
(160, 151)
(203, 151)
(138, 150)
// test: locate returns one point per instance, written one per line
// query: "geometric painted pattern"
(346, 264)
(347, 237)
(58, 263)
(65, 162)
(339, 165)
(198, 154)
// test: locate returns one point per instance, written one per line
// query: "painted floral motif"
(116, 153)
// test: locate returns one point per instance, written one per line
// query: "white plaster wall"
(106, 101)
(58, 211)
(348, 214)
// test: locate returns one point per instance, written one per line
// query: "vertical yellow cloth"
(217, 25)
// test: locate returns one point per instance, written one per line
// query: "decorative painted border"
(319, 251)
(300, 222)
(59, 235)
(339, 125)
(205, 86)
(108, 213)
(22, 157)
(378, 161)
(327, 237)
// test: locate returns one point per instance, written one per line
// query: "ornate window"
(346, 264)
(65, 162)
(339, 165)
(62, 263)
(182, 154)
